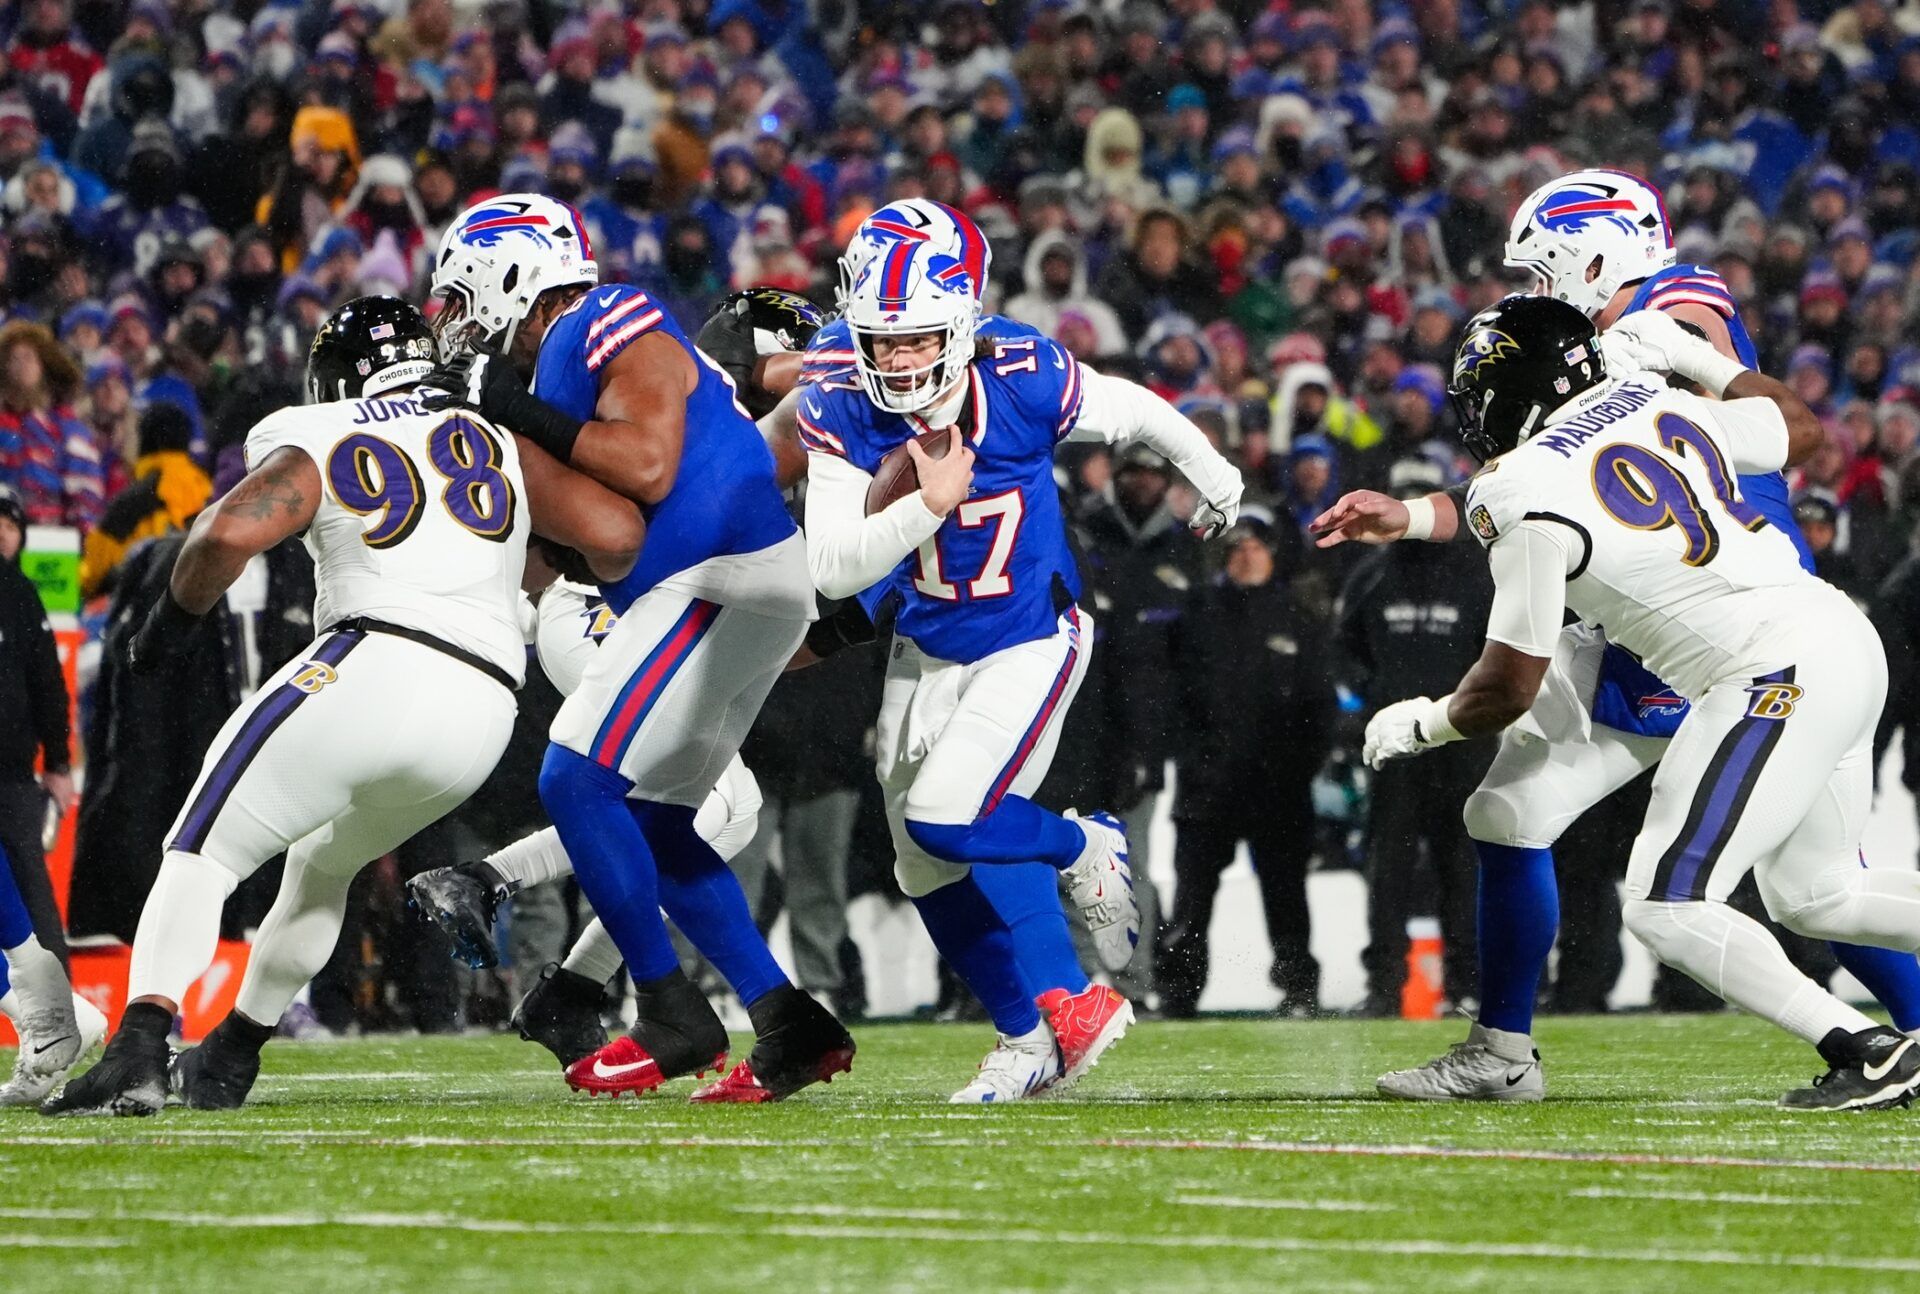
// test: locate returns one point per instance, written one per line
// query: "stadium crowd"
(1275, 217)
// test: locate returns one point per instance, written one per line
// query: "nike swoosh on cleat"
(603, 1070)
(55, 1043)
(1515, 1078)
(1873, 1074)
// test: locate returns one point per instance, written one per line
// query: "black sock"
(770, 1009)
(236, 1030)
(489, 875)
(147, 1018)
(673, 979)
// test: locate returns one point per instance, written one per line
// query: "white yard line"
(1701, 1197)
(1630, 1158)
(61, 1242)
(997, 1237)
(1299, 1206)
(851, 1211)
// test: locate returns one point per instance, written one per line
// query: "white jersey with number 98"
(422, 519)
(1637, 489)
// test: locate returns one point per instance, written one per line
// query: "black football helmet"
(1520, 359)
(759, 321)
(368, 345)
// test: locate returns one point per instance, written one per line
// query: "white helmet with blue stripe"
(1588, 234)
(923, 221)
(912, 290)
(498, 256)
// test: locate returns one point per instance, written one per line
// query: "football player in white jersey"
(1616, 497)
(418, 526)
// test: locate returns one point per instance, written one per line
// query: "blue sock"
(16, 923)
(1014, 831)
(1027, 897)
(705, 900)
(979, 947)
(1890, 975)
(1519, 916)
(611, 857)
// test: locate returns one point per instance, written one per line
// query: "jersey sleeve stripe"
(615, 315)
(819, 439)
(613, 343)
(1071, 398)
(1719, 305)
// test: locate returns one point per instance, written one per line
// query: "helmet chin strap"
(944, 409)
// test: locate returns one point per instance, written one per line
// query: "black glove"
(568, 563)
(165, 633)
(489, 386)
(727, 339)
(845, 626)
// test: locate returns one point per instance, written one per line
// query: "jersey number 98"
(370, 475)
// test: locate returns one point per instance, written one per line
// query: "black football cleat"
(802, 1045)
(562, 1013)
(462, 905)
(675, 1033)
(218, 1074)
(1874, 1069)
(130, 1080)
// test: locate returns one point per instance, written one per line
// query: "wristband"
(1419, 518)
(1713, 371)
(1435, 726)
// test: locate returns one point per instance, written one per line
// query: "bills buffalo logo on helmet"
(1487, 346)
(1580, 206)
(487, 226)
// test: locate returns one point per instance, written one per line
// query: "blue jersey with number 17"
(724, 501)
(1629, 697)
(999, 571)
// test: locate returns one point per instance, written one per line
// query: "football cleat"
(561, 1012)
(1491, 1065)
(806, 1046)
(1875, 1069)
(43, 1060)
(675, 1034)
(463, 906)
(1014, 1070)
(1086, 1024)
(1102, 888)
(216, 1075)
(131, 1079)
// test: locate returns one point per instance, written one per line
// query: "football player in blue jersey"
(716, 606)
(1599, 240)
(990, 642)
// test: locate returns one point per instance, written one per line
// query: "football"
(896, 476)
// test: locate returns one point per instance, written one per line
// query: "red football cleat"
(623, 1065)
(1086, 1024)
(743, 1087)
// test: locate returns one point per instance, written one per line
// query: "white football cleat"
(1015, 1069)
(1101, 886)
(51, 1043)
(1491, 1065)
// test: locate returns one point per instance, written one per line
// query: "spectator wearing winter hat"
(1055, 272)
(1823, 312)
(569, 95)
(46, 49)
(47, 454)
(168, 490)
(230, 170)
(1111, 168)
(322, 170)
(383, 201)
(133, 336)
(109, 413)
(151, 203)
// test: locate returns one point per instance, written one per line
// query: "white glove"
(1213, 517)
(1406, 728)
(1645, 341)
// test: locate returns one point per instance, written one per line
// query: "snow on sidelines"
(944, 1235)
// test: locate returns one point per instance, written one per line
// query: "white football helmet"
(498, 256)
(1588, 234)
(912, 289)
(916, 220)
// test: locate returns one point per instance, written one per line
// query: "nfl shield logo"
(1561, 385)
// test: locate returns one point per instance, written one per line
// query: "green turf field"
(1216, 1155)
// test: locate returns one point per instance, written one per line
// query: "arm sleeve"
(1754, 432)
(1116, 411)
(1530, 566)
(849, 552)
